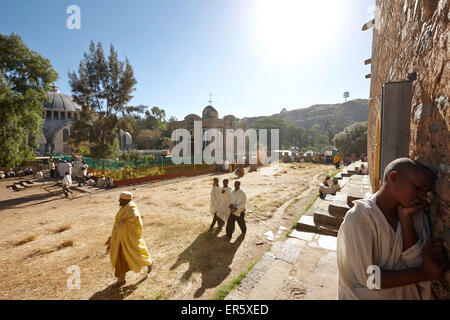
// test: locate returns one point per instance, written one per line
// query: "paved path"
(302, 267)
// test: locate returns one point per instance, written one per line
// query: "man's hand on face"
(434, 259)
(409, 212)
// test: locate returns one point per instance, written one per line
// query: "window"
(63, 116)
(49, 115)
(55, 115)
(75, 116)
(69, 116)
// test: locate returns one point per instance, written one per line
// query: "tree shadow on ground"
(211, 256)
(52, 193)
(114, 293)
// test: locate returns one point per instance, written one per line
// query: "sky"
(256, 57)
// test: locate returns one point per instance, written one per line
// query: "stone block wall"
(413, 36)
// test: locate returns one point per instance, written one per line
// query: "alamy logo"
(74, 281)
(74, 20)
(374, 279)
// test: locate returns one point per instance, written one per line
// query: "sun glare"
(290, 31)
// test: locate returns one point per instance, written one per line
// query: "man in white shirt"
(389, 234)
(223, 210)
(67, 182)
(214, 204)
(237, 207)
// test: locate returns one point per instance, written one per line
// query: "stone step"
(338, 208)
(18, 187)
(347, 174)
(306, 224)
(322, 217)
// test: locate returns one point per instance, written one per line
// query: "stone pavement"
(304, 266)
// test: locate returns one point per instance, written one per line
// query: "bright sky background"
(255, 56)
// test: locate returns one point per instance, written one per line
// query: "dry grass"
(174, 230)
(41, 251)
(65, 244)
(26, 240)
(63, 228)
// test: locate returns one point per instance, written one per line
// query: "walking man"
(127, 248)
(237, 208)
(67, 183)
(214, 204)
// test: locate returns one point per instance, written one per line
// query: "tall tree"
(353, 139)
(103, 87)
(25, 78)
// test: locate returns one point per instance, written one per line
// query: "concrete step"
(322, 217)
(306, 224)
(338, 208)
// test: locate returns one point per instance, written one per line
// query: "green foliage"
(102, 87)
(25, 78)
(155, 121)
(309, 148)
(135, 156)
(352, 140)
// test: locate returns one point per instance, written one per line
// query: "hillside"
(342, 114)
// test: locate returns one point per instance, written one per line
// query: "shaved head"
(404, 165)
(408, 182)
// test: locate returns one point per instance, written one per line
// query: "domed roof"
(210, 113)
(192, 116)
(229, 117)
(61, 102)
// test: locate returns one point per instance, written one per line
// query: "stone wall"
(413, 36)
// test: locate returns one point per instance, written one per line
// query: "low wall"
(166, 176)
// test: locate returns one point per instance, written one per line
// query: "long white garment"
(214, 201)
(61, 169)
(67, 181)
(223, 211)
(239, 199)
(366, 238)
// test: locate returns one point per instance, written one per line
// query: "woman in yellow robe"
(127, 249)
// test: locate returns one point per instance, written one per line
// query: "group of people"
(228, 206)
(12, 174)
(127, 248)
(329, 186)
(388, 232)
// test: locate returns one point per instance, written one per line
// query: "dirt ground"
(43, 234)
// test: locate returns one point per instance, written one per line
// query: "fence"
(128, 170)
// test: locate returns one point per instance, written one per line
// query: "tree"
(103, 88)
(25, 78)
(353, 139)
(173, 119)
(148, 139)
